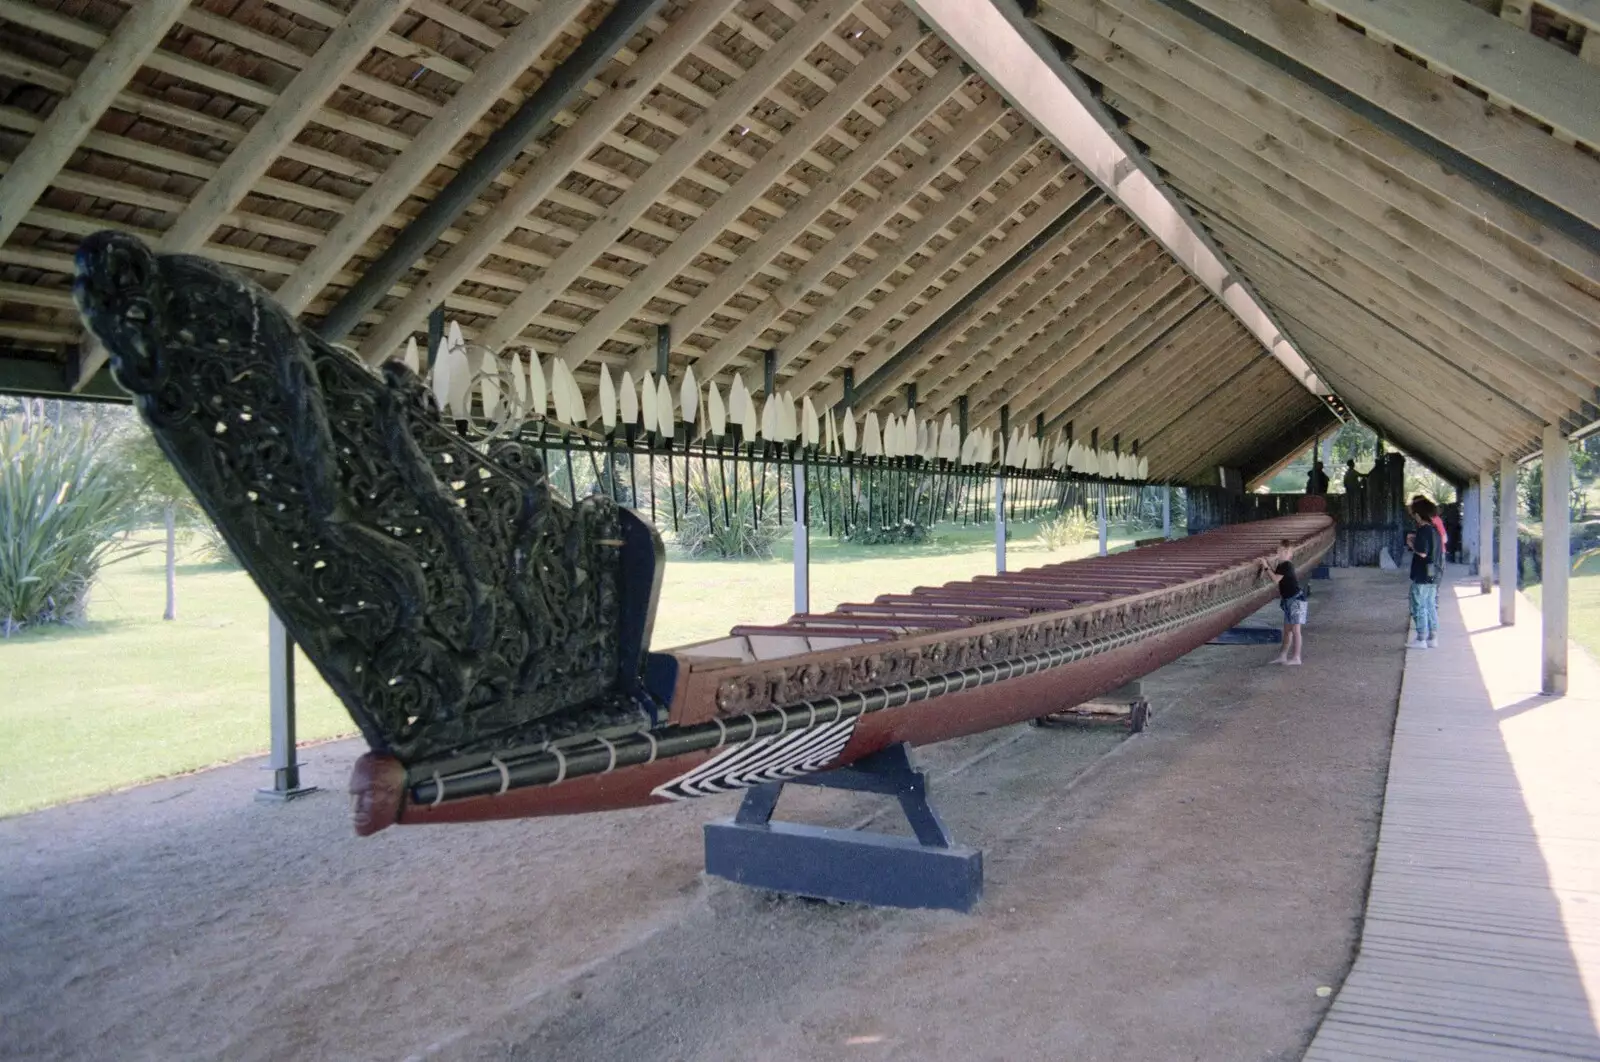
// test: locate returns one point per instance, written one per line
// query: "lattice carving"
(453, 602)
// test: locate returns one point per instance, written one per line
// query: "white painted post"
(802, 543)
(1000, 524)
(1486, 531)
(1103, 529)
(280, 690)
(1508, 542)
(1557, 558)
(1166, 511)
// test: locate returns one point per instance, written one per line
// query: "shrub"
(904, 533)
(716, 523)
(62, 507)
(1067, 528)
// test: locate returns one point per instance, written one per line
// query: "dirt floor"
(1178, 895)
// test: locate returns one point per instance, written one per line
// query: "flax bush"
(63, 510)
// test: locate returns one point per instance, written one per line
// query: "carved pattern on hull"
(451, 600)
(770, 759)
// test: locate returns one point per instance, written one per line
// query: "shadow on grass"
(207, 567)
(59, 632)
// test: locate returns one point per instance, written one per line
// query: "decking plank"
(1482, 933)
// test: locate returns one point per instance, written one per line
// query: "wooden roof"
(1411, 185)
(829, 181)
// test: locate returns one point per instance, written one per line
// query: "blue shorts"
(1294, 608)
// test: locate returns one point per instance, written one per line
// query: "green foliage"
(720, 522)
(1067, 528)
(63, 508)
(902, 533)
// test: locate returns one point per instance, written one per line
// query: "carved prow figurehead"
(454, 603)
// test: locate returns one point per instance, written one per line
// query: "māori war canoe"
(492, 641)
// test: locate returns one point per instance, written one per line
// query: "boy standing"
(1291, 598)
(1427, 561)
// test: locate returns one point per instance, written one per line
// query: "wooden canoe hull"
(937, 718)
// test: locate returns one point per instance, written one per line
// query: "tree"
(162, 494)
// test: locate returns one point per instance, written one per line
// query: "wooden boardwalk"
(1482, 933)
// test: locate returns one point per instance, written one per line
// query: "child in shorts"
(1292, 599)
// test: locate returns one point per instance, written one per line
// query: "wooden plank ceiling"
(822, 179)
(1411, 185)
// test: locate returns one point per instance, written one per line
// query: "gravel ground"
(1179, 895)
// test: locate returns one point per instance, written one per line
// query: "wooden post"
(1557, 559)
(1166, 511)
(1508, 542)
(280, 685)
(1486, 531)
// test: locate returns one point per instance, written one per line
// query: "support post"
(1508, 542)
(802, 543)
(1486, 531)
(1000, 494)
(1557, 559)
(280, 684)
(1104, 530)
(1166, 511)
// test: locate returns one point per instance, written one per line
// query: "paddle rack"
(851, 866)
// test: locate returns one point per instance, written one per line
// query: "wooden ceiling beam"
(845, 241)
(407, 170)
(1113, 239)
(991, 258)
(1439, 295)
(1121, 309)
(1384, 323)
(1313, 177)
(1155, 371)
(565, 154)
(1344, 264)
(735, 101)
(128, 47)
(1150, 37)
(898, 255)
(1109, 358)
(825, 259)
(1231, 448)
(249, 159)
(1431, 113)
(932, 270)
(1039, 277)
(1211, 359)
(1514, 67)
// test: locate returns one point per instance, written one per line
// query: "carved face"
(377, 789)
(120, 295)
(161, 315)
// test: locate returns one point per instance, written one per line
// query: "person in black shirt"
(1291, 598)
(1427, 564)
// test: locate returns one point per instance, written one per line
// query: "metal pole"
(1508, 542)
(1103, 528)
(802, 543)
(1000, 492)
(1557, 559)
(497, 153)
(280, 683)
(1000, 521)
(1486, 531)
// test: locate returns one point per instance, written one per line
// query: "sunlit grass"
(1583, 606)
(127, 697)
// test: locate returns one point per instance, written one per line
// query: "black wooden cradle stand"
(851, 866)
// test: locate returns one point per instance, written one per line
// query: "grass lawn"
(127, 697)
(1583, 606)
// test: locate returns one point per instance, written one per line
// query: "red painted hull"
(951, 715)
